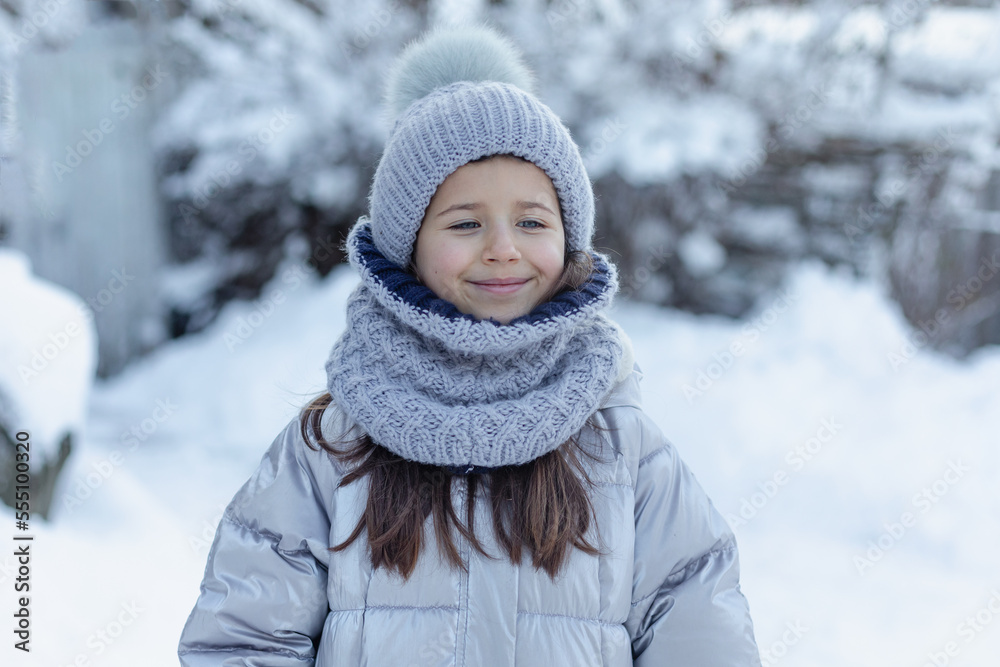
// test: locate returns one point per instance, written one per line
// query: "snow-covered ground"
(861, 485)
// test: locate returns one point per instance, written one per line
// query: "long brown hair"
(543, 505)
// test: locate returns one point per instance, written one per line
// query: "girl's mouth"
(501, 285)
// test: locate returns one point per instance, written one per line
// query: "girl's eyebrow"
(468, 206)
(535, 204)
(471, 206)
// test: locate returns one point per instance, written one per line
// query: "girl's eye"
(532, 224)
(465, 224)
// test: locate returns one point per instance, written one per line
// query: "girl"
(479, 486)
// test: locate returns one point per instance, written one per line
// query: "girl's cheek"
(555, 260)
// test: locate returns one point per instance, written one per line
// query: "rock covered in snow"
(48, 358)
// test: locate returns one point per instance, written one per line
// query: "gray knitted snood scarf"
(440, 387)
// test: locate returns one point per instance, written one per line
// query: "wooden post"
(85, 113)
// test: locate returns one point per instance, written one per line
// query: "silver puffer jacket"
(666, 592)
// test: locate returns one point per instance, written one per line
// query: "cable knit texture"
(437, 386)
(456, 124)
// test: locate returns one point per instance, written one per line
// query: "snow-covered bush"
(272, 138)
(726, 139)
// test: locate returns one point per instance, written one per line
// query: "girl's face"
(491, 241)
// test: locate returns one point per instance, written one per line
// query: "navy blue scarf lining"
(469, 470)
(409, 289)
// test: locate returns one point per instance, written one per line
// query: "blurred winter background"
(803, 199)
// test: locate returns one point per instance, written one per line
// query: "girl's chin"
(500, 307)
(501, 315)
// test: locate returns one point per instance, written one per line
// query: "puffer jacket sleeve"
(687, 608)
(263, 598)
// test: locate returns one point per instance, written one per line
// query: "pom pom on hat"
(457, 95)
(449, 54)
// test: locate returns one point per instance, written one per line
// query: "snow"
(809, 438)
(658, 137)
(179, 281)
(275, 91)
(836, 180)
(48, 357)
(943, 65)
(767, 27)
(957, 47)
(863, 29)
(909, 115)
(700, 253)
(327, 187)
(51, 22)
(766, 227)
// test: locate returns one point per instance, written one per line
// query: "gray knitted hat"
(457, 95)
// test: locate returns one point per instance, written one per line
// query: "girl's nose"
(500, 245)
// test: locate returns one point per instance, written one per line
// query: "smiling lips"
(500, 285)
